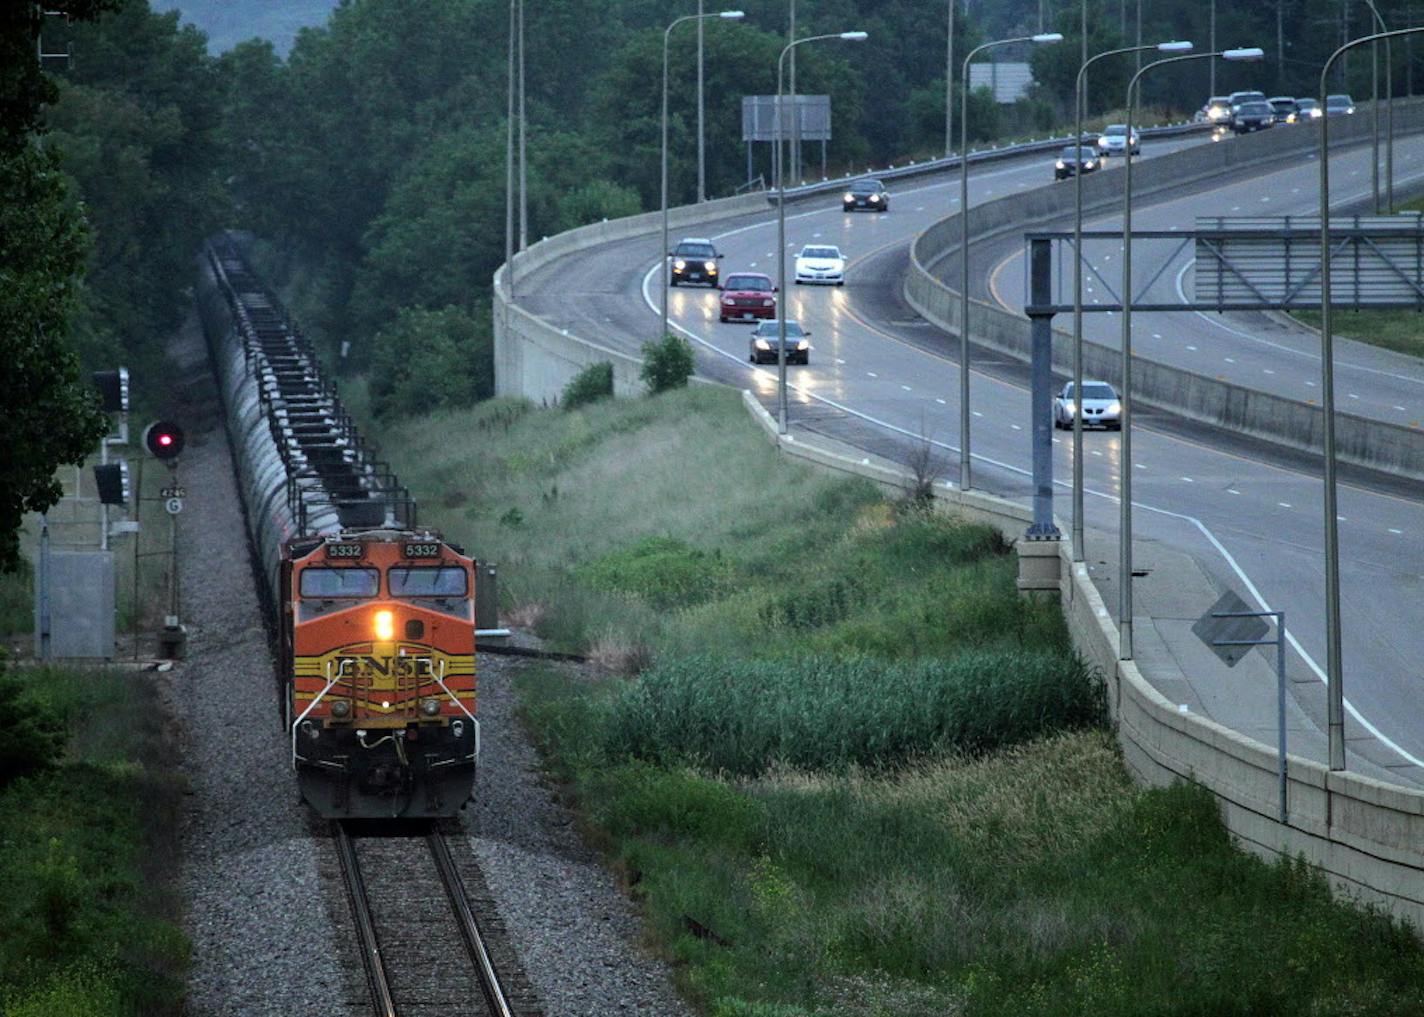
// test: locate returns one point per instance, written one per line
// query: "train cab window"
(323, 590)
(438, 588)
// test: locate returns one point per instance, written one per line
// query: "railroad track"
(423, 951)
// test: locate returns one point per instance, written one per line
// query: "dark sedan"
(766, 335)
(1253, 116)
(1073, 159)
(1339, 105)
(694, 260)
(1287, 109)
(867, 194)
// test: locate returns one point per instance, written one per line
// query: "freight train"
(374, 616)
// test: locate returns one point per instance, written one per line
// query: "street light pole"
(509, 163)
(701, 118)
(784, 297)
(949, 85)
(1389, 107)
(1080, 94)
(964, 474)
(1125, 397)
(1334, 666)
(523, 127)
(662, 258)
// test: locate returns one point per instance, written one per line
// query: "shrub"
(426, 360)
(664, 571)
(742, 716)
(593, 383)
(667, 364)
(31, 735)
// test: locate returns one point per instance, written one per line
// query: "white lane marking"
(1310, 384)
(976, 413)
(1096, 452)
(1392, 529)
(1016, 427)
(1230, 360)
(1399, 408)
(1188, 480)
(1352, 395)
(1231, 490)
(940, 401)
(838, 359)
(1261, 602)
(871, 373)
(1138, 466)
(1284, 504)
(1268, 370)
(907, 387)
(1192, 348)
(1158, 335)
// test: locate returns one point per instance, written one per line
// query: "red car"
(748, 296)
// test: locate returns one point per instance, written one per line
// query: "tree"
(50, 417)
(429, 360)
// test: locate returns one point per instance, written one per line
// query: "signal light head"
(163, 439)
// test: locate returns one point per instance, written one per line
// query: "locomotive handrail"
(330, 681)
(440, 680)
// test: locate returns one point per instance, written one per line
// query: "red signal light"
(163, 439)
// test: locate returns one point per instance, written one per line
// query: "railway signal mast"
(164, 441)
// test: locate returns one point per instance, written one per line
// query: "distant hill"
(228, 22)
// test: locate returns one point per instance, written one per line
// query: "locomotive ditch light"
(340, 709)
(385, 625)
(163, 439)
(430, 707)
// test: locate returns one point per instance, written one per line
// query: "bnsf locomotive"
(375, 616)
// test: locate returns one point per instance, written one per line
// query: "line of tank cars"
(752, 296)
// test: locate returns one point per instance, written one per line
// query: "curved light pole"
(783, 297)
(1125, 397)
(1079, 103)
(662, 258)
(1334, 668)
(1375, 113)
(964, 479)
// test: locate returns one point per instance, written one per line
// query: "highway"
(884, 380)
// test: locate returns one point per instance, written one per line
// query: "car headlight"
(728, 299)
(804, 344)
(876, 197)
(1115, 407)
(679, 264)
(711, 266)
(768, 302)
(1089, 164)
(1349, 109)
(1061, 164)
(848, 198)
(1068, 407)
(1103, 142)
(762, 344)
(1315, 113)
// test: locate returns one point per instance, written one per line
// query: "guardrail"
(950, 162)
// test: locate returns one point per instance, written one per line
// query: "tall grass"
(823, 713)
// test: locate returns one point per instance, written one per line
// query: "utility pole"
(1211, 47)
(509, 160)
(949, 86)
(795, 111)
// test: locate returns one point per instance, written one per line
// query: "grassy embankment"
(1401, 331)
(88, 848)
(858, 774)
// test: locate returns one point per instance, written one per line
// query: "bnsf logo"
(386, 667)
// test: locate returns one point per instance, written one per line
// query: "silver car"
(1101, 406)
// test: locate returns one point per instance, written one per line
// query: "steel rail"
(371, 959)
(469, 928)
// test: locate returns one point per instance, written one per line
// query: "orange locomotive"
(374, 616)
(378, 636)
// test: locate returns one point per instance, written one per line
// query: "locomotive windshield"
(418, 581)
(329, 584)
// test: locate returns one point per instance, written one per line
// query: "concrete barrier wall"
(534, 359)
(1365, 835)
(1360, 440)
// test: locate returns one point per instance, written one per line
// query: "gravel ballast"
(259, 874)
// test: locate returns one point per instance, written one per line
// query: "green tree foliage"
(667, 364)
(51, 417)
(136, 125)
(31, 736)
(425, 360)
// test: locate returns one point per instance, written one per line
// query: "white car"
(820, 263)
(1101, 406)
(1114, 140)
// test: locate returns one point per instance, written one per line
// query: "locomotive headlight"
(340, 709)
(430, 707)
(385, 625)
